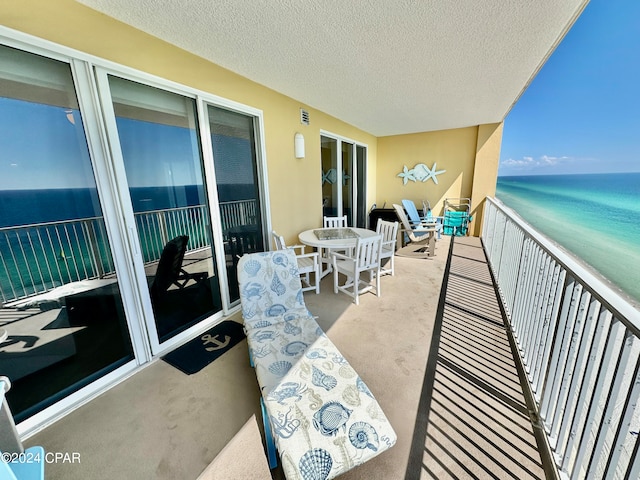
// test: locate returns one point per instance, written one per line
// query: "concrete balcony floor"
(441, 368)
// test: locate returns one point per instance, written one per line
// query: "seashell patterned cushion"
(275, 349)
(324, 418)
(270, 285)
(267, 322)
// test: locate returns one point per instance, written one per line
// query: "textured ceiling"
(386, 66)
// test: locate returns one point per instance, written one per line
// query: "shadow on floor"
(473, 420)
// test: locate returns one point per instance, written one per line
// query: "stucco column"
(485, 171)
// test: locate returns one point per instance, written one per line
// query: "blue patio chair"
(420, 222)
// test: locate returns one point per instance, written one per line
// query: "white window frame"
(339, 139)
(116, 212)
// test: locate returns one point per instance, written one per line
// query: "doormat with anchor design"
(196, 354)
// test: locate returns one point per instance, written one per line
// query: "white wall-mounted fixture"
(299, 145)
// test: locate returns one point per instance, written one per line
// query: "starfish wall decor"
(420, 172)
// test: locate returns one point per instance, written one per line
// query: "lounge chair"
(170, 272)
(421, 221)
(421, 242)
(316, 409)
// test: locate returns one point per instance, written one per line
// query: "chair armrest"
(425, 229)
(313, 255)
(295, 247)
(336, 255)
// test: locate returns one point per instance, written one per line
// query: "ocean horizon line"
(566, 174)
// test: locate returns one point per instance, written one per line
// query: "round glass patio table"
(348, 237)
(334, 239)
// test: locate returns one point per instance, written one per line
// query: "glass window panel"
(361, 168)
(330, 177)
(347, 181)
(163, 162)
(235, 160)
(61, 307)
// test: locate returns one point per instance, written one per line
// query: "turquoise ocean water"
(595, 217)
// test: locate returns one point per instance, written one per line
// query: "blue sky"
(581, 114)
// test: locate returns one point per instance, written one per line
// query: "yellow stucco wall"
(294, 185)
(485, 174)
(450, 150)
(469, 155)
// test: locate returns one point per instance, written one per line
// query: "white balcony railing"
(578, 341)
(39, 257)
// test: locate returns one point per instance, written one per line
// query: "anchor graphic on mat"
(207, 339)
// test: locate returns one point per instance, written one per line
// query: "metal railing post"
(579, 343)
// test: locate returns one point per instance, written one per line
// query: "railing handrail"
(579, 270)
(30, 270)
(578, 343)
(49, 224)
(87, 219)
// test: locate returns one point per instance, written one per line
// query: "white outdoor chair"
(366, 259)
(334, 222)
(421, 242)
(307, 262)
(389, 233)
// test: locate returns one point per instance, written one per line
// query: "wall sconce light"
(299, 145)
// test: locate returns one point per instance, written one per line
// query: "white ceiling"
(386, 66)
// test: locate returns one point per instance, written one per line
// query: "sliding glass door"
(233, 141)
(62, 321)
(124, 207)
(159, 143)
(330, 177)
(347, 181)
(343, 179)
(361, 185)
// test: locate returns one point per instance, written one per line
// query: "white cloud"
(530, 163)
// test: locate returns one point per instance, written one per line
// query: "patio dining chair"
(366, 258)
(307, 262)
(389, 233)
(420, 242)
(334, 222)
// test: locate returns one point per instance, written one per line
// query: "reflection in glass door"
(160, 146)
(62, 317)
(361, 194)
(347, 181)
(233, 141)
(330, 177)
